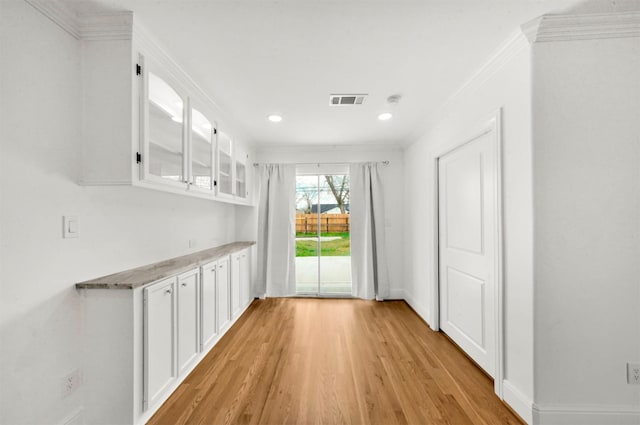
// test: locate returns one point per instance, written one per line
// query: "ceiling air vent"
(346, 99)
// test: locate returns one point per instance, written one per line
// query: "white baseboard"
(396, 294)
(420, 311)
(520, 403)
(585, 415)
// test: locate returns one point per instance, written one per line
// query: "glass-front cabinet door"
(241, 175)
(225, 164)
(182, 147)
(165, 138)
(201, 154)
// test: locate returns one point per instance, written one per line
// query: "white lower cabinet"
(224, 294)
(171, 340)
(208, 305)
(240, 281)
(235, 285)
(245, 278)
(142, 342)
(159, 339)
(188, 318)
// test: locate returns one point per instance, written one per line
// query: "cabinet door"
(201, 138)
(164, 113)
(208, 305)
(225, 164)
(245, 278)
(159, 339)
(188, 314)
(241, 159)
(235, 284)
(223, 281)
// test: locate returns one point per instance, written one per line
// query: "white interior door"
(467, 217)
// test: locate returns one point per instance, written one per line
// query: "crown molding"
(112, 26)
(516, 43)
(549, 28)
(503, 55)
(59, 13)
(104, 26)
(263, 149)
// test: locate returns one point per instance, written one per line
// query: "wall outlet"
(71, 382)
(633, 373)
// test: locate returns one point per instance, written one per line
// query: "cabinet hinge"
(138, 158)
(138, 69)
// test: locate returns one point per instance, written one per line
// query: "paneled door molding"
(491, 127)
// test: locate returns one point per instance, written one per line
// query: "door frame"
(493, 124)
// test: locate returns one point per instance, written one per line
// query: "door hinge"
(138, 158)
(215, 131)
(138, 69)
(215, 182)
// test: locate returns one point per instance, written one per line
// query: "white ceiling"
(261, 57)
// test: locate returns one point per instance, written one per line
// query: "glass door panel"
(335, 242)
(323, 249)
(241, 185)
(225, 161)
(166, 145)
(307, 278)
(201, 151)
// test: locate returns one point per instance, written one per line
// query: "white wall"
(504, 83)
(586, 121)
(392, 177)
(120, 227)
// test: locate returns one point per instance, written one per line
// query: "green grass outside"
(338, 247)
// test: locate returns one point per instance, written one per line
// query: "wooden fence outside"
(329, 223)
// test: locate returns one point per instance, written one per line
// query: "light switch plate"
(70, 227)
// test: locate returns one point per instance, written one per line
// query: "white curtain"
(369, 273)
(276, 231)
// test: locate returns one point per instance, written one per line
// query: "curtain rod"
(255, 164)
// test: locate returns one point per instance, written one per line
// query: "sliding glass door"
(323, 248)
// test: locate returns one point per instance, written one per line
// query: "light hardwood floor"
(333, 361)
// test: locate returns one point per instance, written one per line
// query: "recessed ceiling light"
(274, 118)
(385, 116)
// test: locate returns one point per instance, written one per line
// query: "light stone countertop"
(140, 276)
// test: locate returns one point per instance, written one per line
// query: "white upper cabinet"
(202, 150)
(177, 137)
(225, 165)
(232, 181)
(146, 123)
(164, 143)
(240, 176)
